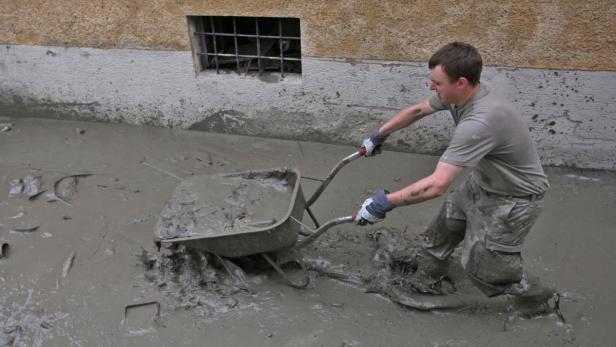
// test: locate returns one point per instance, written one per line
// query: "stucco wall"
(561, 34)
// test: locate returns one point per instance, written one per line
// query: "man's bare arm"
(427, 188)
(406, 117)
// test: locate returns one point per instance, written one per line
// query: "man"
(493, 211)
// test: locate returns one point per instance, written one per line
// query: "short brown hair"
(458, 59)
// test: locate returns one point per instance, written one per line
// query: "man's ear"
(463, 82)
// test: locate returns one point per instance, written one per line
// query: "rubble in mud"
(29, 186)
(398, 263)
(21, 325)
(211, 285)
(200, 281)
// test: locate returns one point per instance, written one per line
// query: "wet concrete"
(69, 281)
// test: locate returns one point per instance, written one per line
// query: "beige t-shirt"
(492, 137)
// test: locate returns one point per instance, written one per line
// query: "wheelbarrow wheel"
(293, 283)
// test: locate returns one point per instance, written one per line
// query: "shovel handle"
(361, 152)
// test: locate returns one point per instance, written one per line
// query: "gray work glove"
(374, 209)
(373, 143)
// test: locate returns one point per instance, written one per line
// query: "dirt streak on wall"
(564, 34)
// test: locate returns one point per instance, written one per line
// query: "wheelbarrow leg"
(292, 283)
(314, 219)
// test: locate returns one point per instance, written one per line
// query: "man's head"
(455, 69)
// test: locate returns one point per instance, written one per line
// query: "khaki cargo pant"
(491, 229)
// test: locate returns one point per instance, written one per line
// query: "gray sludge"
(200, 281)
(211, 205)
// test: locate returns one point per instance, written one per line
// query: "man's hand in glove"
(373, 143)
(374, 209)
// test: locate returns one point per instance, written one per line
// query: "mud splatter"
(21, 325)
(204, 283)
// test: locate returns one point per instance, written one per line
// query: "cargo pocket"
(494, 267)
(455, 219)
(512, 225)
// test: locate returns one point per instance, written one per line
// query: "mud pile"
(202, 282)
(211, 205)
(212, 284)
(396, 261)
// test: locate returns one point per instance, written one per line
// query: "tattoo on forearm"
(417, 192)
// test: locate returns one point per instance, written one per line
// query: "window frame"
(201, 51)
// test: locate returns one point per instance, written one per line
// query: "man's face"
(448, 92)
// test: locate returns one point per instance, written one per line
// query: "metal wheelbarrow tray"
(241, 234)
(244, 213)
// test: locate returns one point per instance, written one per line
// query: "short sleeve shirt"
(492, 137)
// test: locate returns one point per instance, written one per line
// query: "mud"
(212, 205)
(199, 282)
(69, 282)
(29, 186)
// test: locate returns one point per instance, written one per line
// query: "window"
(246, 44)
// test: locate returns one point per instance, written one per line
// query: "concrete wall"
(362, 61)
(570, 112)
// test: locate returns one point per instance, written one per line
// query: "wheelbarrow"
(281, 234)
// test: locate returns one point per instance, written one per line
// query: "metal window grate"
(247, 44)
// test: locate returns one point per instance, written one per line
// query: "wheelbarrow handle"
(361, 152)
(323, 228)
